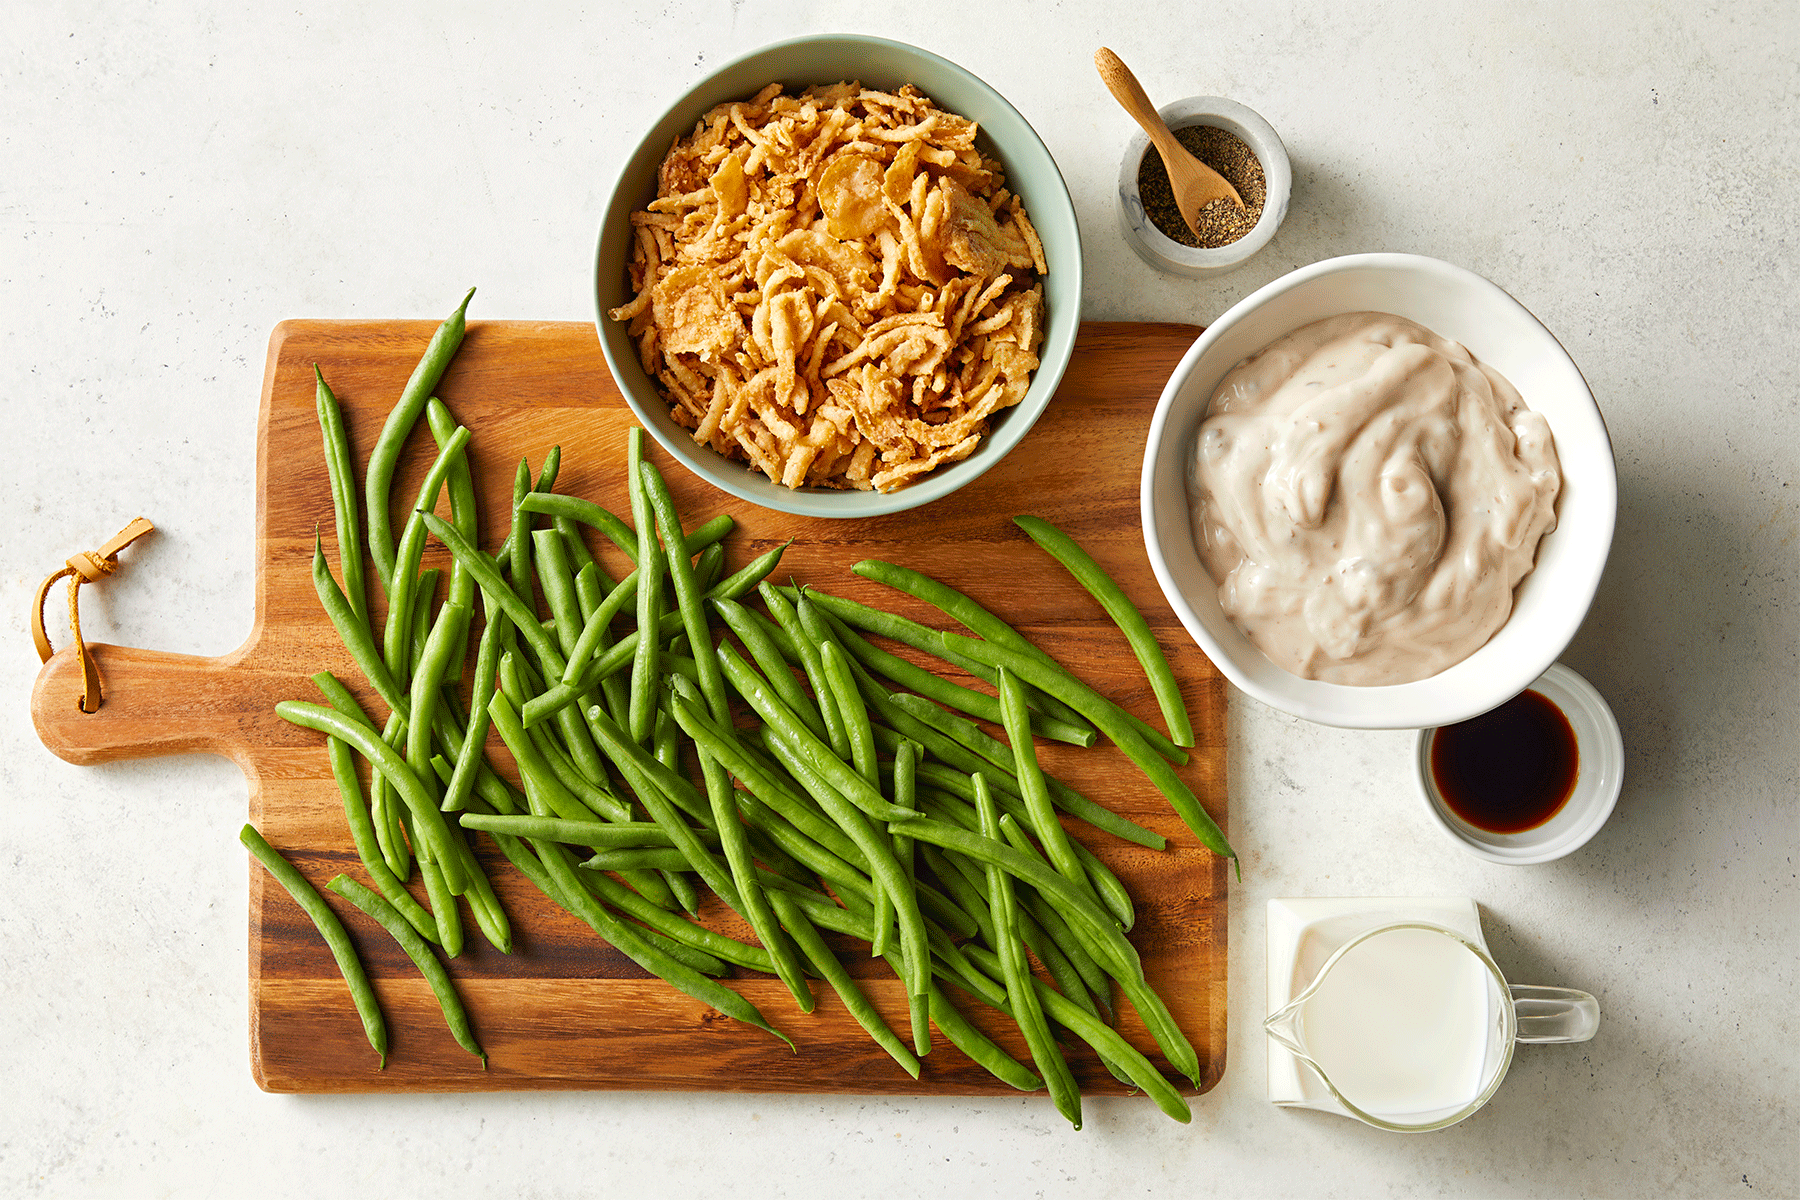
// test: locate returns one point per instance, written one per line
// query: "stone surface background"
(181, 177)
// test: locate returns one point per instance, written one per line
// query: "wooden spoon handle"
(1131, 97)
(157, 703)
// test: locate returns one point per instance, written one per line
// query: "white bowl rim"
(1053, 357)
(1400, 706)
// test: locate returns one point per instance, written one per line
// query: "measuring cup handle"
(1552, 1014)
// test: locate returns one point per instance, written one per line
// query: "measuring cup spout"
(1553, 1014)
(1284, 1027)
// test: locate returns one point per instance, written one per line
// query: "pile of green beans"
(670, 740)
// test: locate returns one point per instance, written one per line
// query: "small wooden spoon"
(1193, 182)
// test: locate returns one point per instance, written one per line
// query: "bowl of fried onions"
(840, 277)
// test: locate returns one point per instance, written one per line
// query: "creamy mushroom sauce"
(1367, 496)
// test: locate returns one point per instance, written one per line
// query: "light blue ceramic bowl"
(828, 58)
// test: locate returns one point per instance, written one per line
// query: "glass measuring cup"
(1411, 1026)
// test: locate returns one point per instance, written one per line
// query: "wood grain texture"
(564, 1010)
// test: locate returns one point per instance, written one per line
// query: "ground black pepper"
(1221, 222)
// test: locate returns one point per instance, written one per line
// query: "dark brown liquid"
(1508, 770)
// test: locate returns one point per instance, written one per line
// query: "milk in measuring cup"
(1401, 1024)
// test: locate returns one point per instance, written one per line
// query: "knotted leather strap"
(90, 566)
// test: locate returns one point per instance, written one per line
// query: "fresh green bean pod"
(417, 950)
(979, 620)
(859, 791)
(1109, 718)
(378, 483)
(1105, 1040)
(996, 752)
(337, 939)
(624, 938)
(343, 495)
(1104, 588)
(787, 616)
(832, 971)
(412, 790)
(362, 834)
(1021, 997)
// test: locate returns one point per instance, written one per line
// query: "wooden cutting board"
(564, 1010)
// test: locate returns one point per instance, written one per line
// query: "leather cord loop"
(90, 566)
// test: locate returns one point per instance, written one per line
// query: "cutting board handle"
(154, 703)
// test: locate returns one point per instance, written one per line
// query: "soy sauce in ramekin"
(1508, 770)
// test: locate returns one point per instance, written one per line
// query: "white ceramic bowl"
(1031, 173)
(1458, 304)
(1599, 776)
(1164, 252)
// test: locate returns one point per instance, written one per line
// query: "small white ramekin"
(1600, 773)
(1164, 252)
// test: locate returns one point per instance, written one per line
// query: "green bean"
(590, 582)
(353, 633)
(557, 577)
(623, 938)
(1033, 790)
(438, 894)
(1125, 615)
(1108, 717)
(443, 643)
(651, 782)
(597, 834)
(678, 929)
(853, 787)
(588, 513)
(787, 616)
(883, 868)
(1060, 721)
(649, 597)
(517, 551)
(1073, 946)
(748, 576)
(343, 495)
(544, 788)
(979, 620)
(925, 683)
(709, 564)
(463, 507)
(851, 708)
(978, 1046)
(412, 790)
(423, 958)
(832, 971)
(906, 760)
(488, 578)
(637, 858)
(1026, 1010)
(400, 420)
(773, 791)
(1104, 1039)
(337, 939)
(539, 778)
(593, 633)
(754, 905)
(973, 738)
(769, 659)
(405, 583)
(362, 834)
(496, 637)
(1106, 886)
(558, 583)
(1120, 961)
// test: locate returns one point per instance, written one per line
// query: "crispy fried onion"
(836, 287)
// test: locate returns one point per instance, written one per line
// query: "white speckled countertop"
(180, 177)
